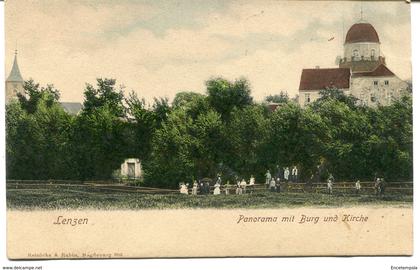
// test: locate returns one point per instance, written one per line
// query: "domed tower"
(362, 48)
(14, 83)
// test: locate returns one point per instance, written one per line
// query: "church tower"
(14, 83)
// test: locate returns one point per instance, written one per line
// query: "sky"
(160, 47)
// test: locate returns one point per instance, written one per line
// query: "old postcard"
(154, 128)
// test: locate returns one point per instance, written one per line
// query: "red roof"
(380, 71)
(321, 78)
(362, 32)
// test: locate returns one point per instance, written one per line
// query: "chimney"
(317, 67)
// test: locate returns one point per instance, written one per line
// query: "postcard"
(154, 128)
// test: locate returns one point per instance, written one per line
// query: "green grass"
(90, 198)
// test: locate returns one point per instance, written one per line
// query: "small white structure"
(131, 169)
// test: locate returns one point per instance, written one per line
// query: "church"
(362, 72)
(14, 83)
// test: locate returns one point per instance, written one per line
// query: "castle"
(362, 72)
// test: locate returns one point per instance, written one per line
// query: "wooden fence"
(104, 186)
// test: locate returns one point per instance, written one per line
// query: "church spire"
(15, 75)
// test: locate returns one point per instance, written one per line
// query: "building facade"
(362, 72)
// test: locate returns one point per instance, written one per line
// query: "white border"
(229, 263)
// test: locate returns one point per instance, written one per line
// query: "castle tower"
(362, 48)
(14, 83)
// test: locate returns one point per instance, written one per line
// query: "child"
(329, 186)
(272, 185)
(358, 186)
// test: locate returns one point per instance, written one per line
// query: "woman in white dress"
(183, 189)
(216, 189)
(251, 183)
(243, 186)
(194, 188)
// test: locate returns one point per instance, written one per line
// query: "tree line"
(200, 135)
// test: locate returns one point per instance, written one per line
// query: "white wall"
(364, 88)
(364, 49)
(313, 94)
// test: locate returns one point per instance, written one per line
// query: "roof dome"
(362, 32)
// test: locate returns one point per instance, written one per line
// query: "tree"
(282, 97)
(37, 142)
(185, 98)
(335, 94)
(347, 128)
(224, 95)
(104, 95)
(34, 93)
(100, 139)
(243, 139)
(295, 138)
(99, 143)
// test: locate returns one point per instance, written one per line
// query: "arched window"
(373, 53)
(355, 53)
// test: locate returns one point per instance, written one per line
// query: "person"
(201, 187)
(194, 188)
(279, 172)
(329, 186)
(294, 174)
(286, 174)
(251, 183)
(219, 179)
(378, 186)
(206, 187)
(278, 184)
(216, 190)
(243, 186)
(183, 188)
(267, 178)
(238, 188)
(272, 185)
(383, 184)
(227, 186)
(357, 186)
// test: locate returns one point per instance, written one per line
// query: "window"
(375, 83)
(386, 82)
(373, 53)
(355, 53)
(307, 98)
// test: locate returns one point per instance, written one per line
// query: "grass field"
(90, 198)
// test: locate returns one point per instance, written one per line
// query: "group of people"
(281, 174)
(379, 186)
(272, 184)
(203, 187)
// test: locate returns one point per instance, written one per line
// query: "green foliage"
(224, 95)
(282, 97)
(37, 142)
(35, 94)
(104, 95)
(202, 135)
